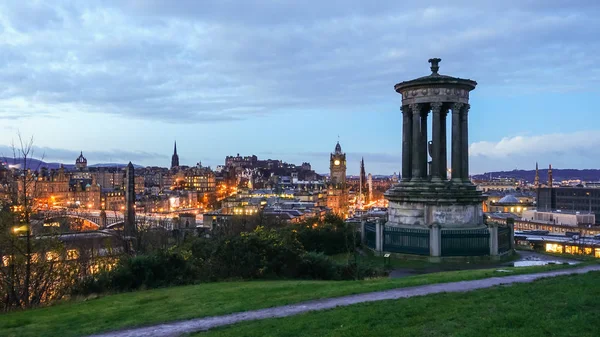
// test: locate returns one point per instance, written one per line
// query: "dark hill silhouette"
(557, 175)
(35, 164)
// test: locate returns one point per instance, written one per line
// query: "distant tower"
(337, 194)
(337, 167)
(129, 226)
(370, 183)
(536, 181)
(550, 176)
(175, 157)
(81, 162)
(363, 176)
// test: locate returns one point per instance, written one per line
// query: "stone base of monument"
(441, 221)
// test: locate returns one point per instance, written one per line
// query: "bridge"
(110, 220)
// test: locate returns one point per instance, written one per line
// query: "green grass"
(562, 306)
(77, 318)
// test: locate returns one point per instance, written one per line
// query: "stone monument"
(426, 198)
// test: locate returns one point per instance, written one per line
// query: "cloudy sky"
(121, 80)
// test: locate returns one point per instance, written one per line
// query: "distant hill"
(35, 164)
(557, 175)
(113, 165)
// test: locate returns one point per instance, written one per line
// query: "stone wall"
(423, 215)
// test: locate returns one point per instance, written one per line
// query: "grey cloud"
(207, 61)
(570, 150)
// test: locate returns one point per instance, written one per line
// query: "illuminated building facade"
(570, 199)
(200, 179)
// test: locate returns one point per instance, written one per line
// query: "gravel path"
(202, 324)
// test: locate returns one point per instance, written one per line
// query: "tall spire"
(550, 176)
(338, 148)
(363, 176)
(175, 157)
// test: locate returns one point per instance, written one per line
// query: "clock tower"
(337, 193)
(337, 167)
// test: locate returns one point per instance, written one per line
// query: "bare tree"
(32, 271)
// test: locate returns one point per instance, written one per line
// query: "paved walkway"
(202, 324)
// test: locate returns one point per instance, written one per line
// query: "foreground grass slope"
(562, 306)
(178, 303)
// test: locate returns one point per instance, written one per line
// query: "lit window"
(51, 256)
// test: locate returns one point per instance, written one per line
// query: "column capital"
(456, 107)
(416, 108)
(405, 109)
(465, 109)
(436, 107)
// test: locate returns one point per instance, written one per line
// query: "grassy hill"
(77, 318)
(562, 306)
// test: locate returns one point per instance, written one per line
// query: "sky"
(121, 80)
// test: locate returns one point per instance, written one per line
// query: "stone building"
(509, 204)
(200, 179)
(337, 190)
(81, 162)
(569, 199)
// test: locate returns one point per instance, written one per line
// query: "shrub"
(350, 272)
(318, 266)
(262, 253)
(327, 238)
(154, 270)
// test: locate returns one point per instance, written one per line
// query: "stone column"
(378, 236)
(103, 222)
(456, 143)
(493, 229)
(362, 231)
(443, 146)
(416, 142)
(407, 135)
(510, 222)
(436, 135)
(435, 241)
(424, 160)
(464, 139)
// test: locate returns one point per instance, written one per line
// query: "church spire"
(175, 157)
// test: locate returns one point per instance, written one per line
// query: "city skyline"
(121, 81)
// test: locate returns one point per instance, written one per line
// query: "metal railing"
(474, 242)
(504, 243)
(370, 234)
(406, 240)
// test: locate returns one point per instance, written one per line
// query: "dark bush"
(262, 253)
(154, 270)
(318, 266)
(349, 272)
(327, 238)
